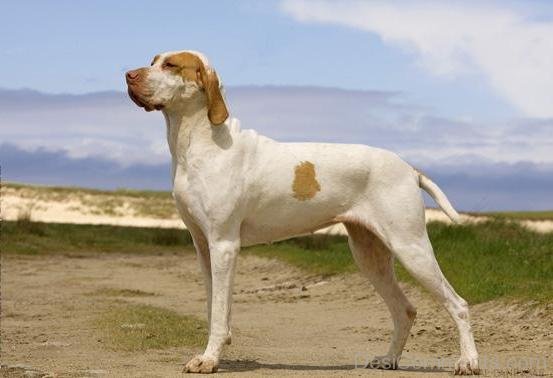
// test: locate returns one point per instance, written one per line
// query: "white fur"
(233, 188)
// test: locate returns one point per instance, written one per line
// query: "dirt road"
(48, 322)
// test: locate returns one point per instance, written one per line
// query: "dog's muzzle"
(137, 93)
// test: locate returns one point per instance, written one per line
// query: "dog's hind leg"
(377, 263)
(398, 219)
(417, 256)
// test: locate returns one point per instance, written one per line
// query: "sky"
(461, 89)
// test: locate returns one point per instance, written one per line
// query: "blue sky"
(78, 47)
(450, 86)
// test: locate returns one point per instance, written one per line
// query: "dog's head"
(174, 78)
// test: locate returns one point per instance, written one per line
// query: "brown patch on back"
(305, 184)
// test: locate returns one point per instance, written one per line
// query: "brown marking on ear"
(217, 111)
(305, 185)
(192, 68)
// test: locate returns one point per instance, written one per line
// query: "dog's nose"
(131, 75)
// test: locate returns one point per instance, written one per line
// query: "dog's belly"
(258, 232)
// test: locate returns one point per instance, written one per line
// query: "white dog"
(236, 188)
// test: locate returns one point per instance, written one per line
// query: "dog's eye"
(169, 65)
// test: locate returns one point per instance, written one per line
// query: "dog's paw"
(201, 364)
(383, 362)
(467, 366)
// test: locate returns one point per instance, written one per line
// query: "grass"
(490, 260)
(318, 254)
(137, 327)
(521, 215)
(69, 191)
(495, 259)
(35, 238)
(484, 261)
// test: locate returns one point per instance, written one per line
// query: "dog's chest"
(186, 200)
(200, 198)
(182, 204)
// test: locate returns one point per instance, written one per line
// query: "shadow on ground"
(233, 366)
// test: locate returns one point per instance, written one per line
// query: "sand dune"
(79, 206)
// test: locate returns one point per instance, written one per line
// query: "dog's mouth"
(141, 102)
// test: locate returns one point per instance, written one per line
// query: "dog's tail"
(436, 193)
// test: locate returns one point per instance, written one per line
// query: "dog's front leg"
(202, 251)
(223, 253)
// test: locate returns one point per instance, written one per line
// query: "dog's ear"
(217, 111)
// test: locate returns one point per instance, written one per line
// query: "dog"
(235, 188)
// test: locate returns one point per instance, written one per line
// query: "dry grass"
(132, 327)
(521, 215)
(120, 202)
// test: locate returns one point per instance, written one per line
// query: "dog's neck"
(184, 123)
(189, 126)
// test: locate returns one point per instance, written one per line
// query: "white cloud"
(382, 119)
(111, 127)
(100, 125)
(512, 50)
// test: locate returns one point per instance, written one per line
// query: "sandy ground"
(42, 206)
(47, 322)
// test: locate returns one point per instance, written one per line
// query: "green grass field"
(521, 215)
(35, 238)
(490, 260)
